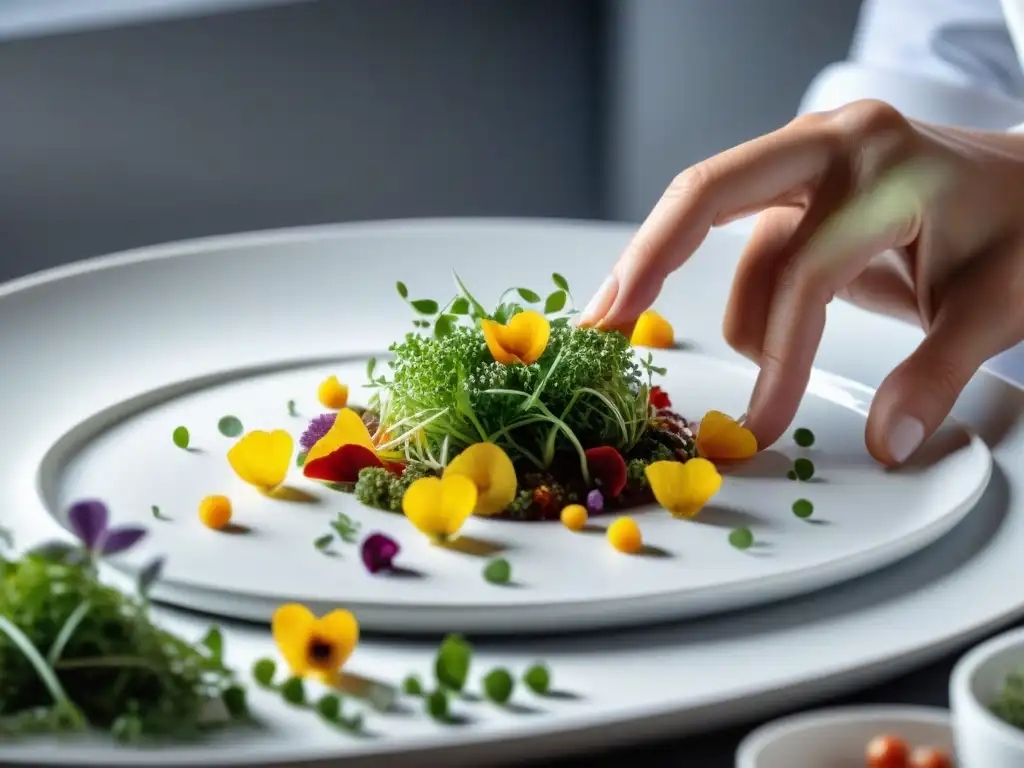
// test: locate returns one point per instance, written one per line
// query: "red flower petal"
(660, 399)
(607, 466)
(343, 465)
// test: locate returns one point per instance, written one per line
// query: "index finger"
(741, 180)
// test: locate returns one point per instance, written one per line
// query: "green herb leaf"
(425, 306)
(803, 437)
(803, 508)
(300, 459)
(371, 366)
(498, 571)
(538, 679)
(741, 538)
(560, 282)
(555, 302)
(412, 686)
(803, 469)
(235, 701)
(157, 514)
(478, 309)
(329, 707)
(498, 685)
(402, 290)
(421, 323)
(213, 641)
(528, 295)
(291, 409)
(460, 306)
(263, 672)
(436, 705)
(452, 664)
(791, 475)
(230, 426)
(180, 437)
(323, 542)
(293, 691)
(444, 325)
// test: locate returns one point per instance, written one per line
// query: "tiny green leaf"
(323, 542)
(444, 325)
(412, 686)
(460, 306)
(371, 366)
(213, 641)
(235, 701)
(528, 295)
(402, 290)
(230, 426)
(538, 679)
(181, 437)
(554, 303)
(791, 475)
(291, 409)
(560, 282)
(803, 437)
(293, 691)
(329, 707)
(741, 538)
(263, 672)
(803, 508)
(437, 705)
(804, 469)
(498, 685)
(452, 664)
(498, 571)
(425, 306)
(300, 459)
(157, 513)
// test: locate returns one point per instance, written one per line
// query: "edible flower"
(491, 471)
(607, 467)
(653, 330)
(722, 438)
(332, 393)
(317, 428)
(378, 552)
(522, 340)
(659, 399)
(574, 517)
(90, 520)
(311, 645)
(439, 506)
(595, 501)
(683, 488)
(624, 536)
(346, 449)
(262, 458)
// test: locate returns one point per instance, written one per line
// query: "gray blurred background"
(130, 122)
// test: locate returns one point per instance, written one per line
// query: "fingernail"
(599, 304)
(905, 436)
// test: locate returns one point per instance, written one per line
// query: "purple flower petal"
(122, 538)
(378, 552)
(88, 519)
(595, 501)
(317, 428)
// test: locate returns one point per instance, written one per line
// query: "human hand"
(915, 221)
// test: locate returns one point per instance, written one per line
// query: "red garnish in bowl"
(342, 465)
(608, 469)
(659, 398)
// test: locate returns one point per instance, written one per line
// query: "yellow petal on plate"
(438, 507)
(341, 630)
(492, 331)
(292, 628)
(523, 340)
(722, 438)
(491, 471)
(683, 489)
(653, 330)
(262, 458)
(348, 429)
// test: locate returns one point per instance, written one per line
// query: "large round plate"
(689, 568)
(66, 335)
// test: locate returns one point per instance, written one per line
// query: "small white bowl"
(838, 738)
(982, 739)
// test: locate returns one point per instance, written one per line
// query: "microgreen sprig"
(292, 690)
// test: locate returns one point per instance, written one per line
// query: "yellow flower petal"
(439, 506)
(262, 458)
(522, 340)
(341, 631)
(721, 438)
(653, 330)
(333, 394)
(491, 471)
(292, 628)
(683, 489)
(348, 429)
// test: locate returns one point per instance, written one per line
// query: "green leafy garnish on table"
(292, 690)
(451, 666)
(291, 409)
(803, 508)
(803, 437)
(412, 686)
(498, 571)
(180, 437)
(498, 685)
(323, 543)
(803, 469)
(346, 528)
(538, 679)
(230, 426)
(157, 514)
(436, 705)
(741, 538)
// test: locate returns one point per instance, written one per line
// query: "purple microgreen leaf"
(150, 574)
(378, 552)
(88, 519)
(122, 538)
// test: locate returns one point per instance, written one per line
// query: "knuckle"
(869, 117)
(692, 183)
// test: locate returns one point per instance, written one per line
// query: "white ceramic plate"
(838, 738)
(690, 568)
(66, 335)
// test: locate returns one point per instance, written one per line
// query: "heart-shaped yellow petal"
(522, 340)
(292, 627)
(722, 438)
(491, 471)
(439, 506)
(653, 330)
(341, 631)
(348, 429)
(262, 458)
(683, 489)
(311, 645)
